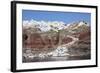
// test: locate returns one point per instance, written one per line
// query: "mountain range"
(45, 26)
(56, 38)
(43, 33)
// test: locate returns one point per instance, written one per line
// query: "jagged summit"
(52, 25)
(44, 25)
(77, 24)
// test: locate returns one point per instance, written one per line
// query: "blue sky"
(66, 17)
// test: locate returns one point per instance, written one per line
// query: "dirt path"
(61, 50)
(72, 42)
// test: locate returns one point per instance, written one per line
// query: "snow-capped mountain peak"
(75, 25)
(82, 23)
(52, 25)
(44, 25)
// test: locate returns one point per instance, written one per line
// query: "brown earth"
(37, 41)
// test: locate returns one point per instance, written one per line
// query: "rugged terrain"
(56, 39)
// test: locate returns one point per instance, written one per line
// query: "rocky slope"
(44, 39)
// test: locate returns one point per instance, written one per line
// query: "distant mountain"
(75, 25)
(78, 27)
(44, 25)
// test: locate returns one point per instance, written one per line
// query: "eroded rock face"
(45, 46)
(42, 41)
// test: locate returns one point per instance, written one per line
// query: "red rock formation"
(36, 41)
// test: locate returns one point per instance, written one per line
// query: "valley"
(56, 41)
